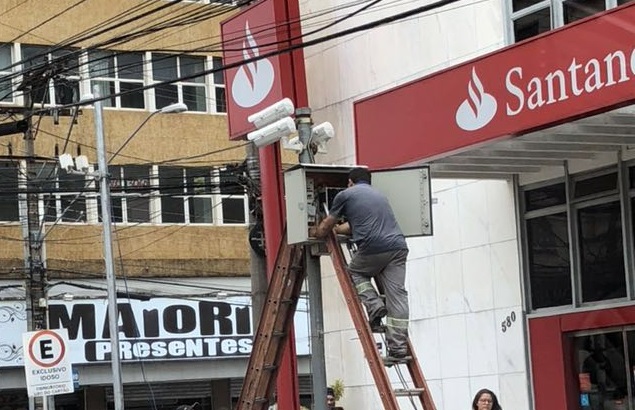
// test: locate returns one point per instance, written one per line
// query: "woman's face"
(484, 402)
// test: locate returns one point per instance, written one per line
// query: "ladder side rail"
(416, 374)
(267, 345)
(373, 356)
(418, 379)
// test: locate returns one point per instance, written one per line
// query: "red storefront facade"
(488, 106)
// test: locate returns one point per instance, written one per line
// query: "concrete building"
(521, 109)
(180, 211)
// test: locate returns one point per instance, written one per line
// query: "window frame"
(622, 194)
(181, 84)
(116, 80)
(557, 14)
(52, 100)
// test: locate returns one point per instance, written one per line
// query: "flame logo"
(479, 109)
(254, 80)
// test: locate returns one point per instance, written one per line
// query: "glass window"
(601, 252)
(601, 370)
(6, 84)
(532, 24)
(63, 195)
(549, 261)
(620, 2)
(577, 9)
(172, 194)
(545, 197)
(118, 73)
(596, 185)
(190, 91)
(131, 191)
(233, 201)
(522, 4)
(219, 85)
(9, 209)
(64, 89)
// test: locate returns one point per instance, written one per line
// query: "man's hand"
(323, 228)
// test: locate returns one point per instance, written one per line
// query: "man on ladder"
(381, 254)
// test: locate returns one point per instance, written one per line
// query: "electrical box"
(311, 188)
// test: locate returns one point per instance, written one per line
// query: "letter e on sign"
(46, 348)
(46, 363)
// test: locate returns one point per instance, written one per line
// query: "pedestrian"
(485, 399)
(381, 254)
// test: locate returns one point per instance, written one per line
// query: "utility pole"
(314, 278)
(36, 283)
(106, 221)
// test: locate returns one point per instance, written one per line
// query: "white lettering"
(560, 84)
(535, 99)
(573, 72)
(244, 345)
(101, 348)
(176, 348)
(596, 75)
(551, 87)
(141, 349)
(515, 90)
(229, 346)
(610, 69)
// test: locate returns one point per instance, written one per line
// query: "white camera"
(281, 109)
(272, 132)
(66, 162)
(322, 133)
(81, 163)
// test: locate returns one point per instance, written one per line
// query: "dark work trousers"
(389, 271)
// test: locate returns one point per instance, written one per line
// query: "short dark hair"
(330, 391)
(359, 175)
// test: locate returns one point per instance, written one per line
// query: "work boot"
(375, 320)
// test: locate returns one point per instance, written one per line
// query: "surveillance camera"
(66, 162)
(281, 109)
(81, 163)
(272, 132)
(322, 133)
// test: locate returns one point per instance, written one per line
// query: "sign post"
(46, 363)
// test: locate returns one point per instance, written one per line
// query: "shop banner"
(581, 69)
(157, 329)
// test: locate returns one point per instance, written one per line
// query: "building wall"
(148, 249)
(464, 282)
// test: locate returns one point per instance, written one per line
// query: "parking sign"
(47, 366)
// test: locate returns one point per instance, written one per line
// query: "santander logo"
(478, 109)
(254, 80)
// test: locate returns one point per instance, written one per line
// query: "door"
(409, 193)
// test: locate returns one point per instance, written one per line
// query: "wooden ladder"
(273, 329)
(277, 317)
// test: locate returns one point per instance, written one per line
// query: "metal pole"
(258, 266)
(314, 279)
(113, 314)
(36, 298)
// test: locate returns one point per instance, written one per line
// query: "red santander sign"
(579, 70)
(256, 31)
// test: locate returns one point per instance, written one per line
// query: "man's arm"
(343, 229)
(324, 227)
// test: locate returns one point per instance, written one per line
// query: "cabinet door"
(296, 206)
(408, 190)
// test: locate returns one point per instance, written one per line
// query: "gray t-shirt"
(371, 218)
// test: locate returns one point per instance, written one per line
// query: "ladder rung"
(278, 334)
(286, 301)
(409, 392)
(260, 400)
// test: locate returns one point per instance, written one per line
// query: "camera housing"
(273, 113)
(273, 132)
